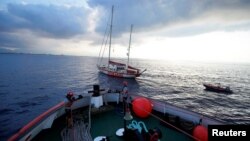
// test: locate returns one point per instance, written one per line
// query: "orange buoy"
(142, 107)
(200, 132)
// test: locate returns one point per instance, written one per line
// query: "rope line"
(105, 36)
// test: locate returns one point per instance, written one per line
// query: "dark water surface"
(30, 84)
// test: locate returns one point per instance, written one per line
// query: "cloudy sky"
(197, 30)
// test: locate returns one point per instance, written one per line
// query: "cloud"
(27, 27)
(148, 15)
(53, 21)
(23, 24)
(67, 21)
(11, 43)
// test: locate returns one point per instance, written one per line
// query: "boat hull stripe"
(34, 122)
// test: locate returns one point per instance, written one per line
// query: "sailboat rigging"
(114, 68)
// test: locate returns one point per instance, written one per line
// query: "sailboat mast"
(110, 34)
(129, 45)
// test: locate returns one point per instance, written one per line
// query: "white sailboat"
(118, 69)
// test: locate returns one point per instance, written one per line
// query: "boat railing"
(55, 111)
(167, 108)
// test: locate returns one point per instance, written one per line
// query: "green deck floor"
(106, 124)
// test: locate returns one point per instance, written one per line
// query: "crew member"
(125, 90)
(70, 96)
(124, 95)
(69, 119)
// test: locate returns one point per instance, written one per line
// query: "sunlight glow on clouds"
(214, 46)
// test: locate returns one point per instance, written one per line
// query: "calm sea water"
(30, 84)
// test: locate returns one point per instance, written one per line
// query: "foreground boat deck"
(113, 120)
(106, 122)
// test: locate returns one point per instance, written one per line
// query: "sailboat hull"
(117, 74)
